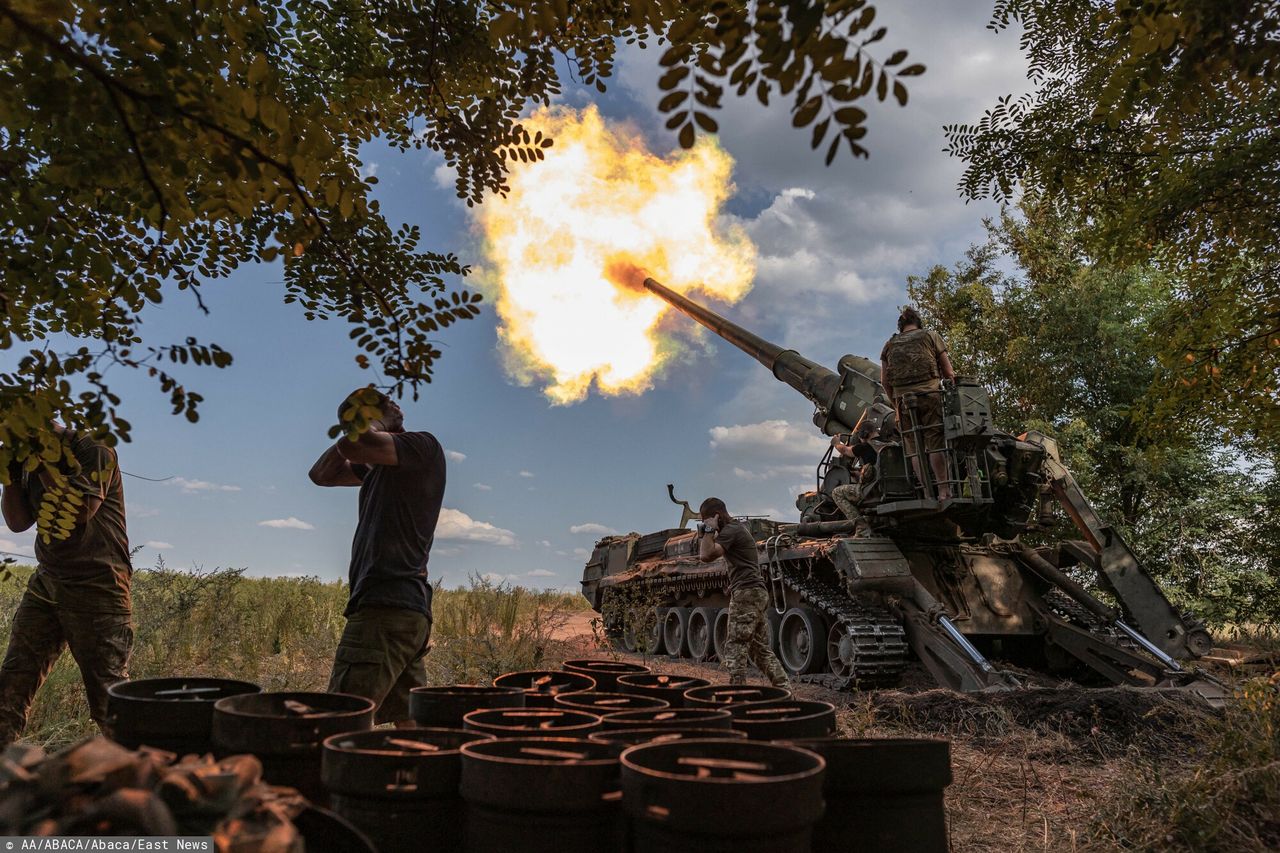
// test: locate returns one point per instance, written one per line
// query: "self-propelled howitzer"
(947, 581)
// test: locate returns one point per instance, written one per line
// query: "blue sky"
(532, 486)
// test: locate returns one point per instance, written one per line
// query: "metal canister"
(595, 702)
(784, 719)
(721, 796)
(542, 686)
(703, 718)
(670, 688)
(174, 714)
(621, 739)
(286, 730)
(444, 707)
(541, 795)
(399, 786)
(723, 695)
(884, 795)
(605, 672)
(324, 831)
(532, 722)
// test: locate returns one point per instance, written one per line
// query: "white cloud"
(448, 552)
(484, 487)
(159, 546)
(14, 547)
(494, 577)
(141, 511)
(581, 553)
(594, 528)
(544, 543)
(526, 474)
(194, 486)
(368, 170)
(541, 573)
(455, 456)
(289, 523)
(768, 450)
(458, 526)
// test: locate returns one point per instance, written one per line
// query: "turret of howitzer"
(843, 400)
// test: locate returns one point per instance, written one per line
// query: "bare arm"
(944, 364)
(708, 548)
(331, 469)
(15, 505)
(374, 447)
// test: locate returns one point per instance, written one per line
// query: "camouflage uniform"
(78, 597)
(748, 639)
(847, 497)
(910, 365)
(52, 616)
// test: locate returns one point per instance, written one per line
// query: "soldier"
(913, 362)
(401, 476)
(721, 536)
(848, 496)
(79, 595)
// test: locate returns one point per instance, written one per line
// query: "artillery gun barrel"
(811, 379)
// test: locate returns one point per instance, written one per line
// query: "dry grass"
(281, 633)
(1078, 769)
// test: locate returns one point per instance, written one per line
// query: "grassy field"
(1063, 769)
(281, 633)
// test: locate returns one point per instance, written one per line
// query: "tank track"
(880, 641)
(1068, 609)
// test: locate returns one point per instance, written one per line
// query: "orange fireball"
(600, 198)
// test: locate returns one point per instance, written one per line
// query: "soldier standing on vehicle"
(401, 476)
(79, 595)
(914, 361)
(722, 536)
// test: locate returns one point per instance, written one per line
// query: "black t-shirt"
(740, 553)
(399, 508)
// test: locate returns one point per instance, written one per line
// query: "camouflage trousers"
(847, 497)
(748, 639)
(52, 616)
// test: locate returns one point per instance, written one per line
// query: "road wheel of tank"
(629, 641)
(802, 641)
(649, 634)
(720, 632)
(701, 623)
(675, 631)
(842, 651)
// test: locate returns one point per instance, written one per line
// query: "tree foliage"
(147, 148)
(1156, 121)
(1070, 346)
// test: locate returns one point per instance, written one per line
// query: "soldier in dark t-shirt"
(723, 537)
(79, 595)
(401, 476)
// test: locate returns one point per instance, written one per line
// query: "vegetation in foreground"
(280, 633)
(1063, 769)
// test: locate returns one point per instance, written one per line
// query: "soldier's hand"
(702, 529)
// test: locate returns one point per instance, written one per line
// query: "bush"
(1230, 803)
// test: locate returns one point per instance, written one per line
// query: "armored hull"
(926, 561)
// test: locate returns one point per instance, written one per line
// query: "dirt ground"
(1031, 769)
